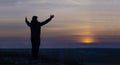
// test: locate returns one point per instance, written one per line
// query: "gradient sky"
(75, 21)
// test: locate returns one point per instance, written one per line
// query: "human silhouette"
(35, 27)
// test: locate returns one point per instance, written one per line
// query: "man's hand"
(52, 16)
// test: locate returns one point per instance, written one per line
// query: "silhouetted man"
(35, 28)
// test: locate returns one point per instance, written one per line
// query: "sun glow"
(87, 40)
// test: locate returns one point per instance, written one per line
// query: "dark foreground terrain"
(85, 56)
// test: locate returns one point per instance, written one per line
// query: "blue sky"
(75, 20)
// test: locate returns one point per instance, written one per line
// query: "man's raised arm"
(27, 22)
(48, 20)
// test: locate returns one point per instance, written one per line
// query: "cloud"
(46, 3)
(104, 5)
(26, 7)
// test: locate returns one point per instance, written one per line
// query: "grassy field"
(68, 56)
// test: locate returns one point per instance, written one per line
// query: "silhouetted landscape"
(66, 56)
(59, 32)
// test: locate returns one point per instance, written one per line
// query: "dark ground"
(83, 56)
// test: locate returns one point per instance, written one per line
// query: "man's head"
(34, 18)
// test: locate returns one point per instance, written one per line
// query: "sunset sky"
(77, 23)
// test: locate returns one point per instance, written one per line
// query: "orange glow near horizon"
(87, 40)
